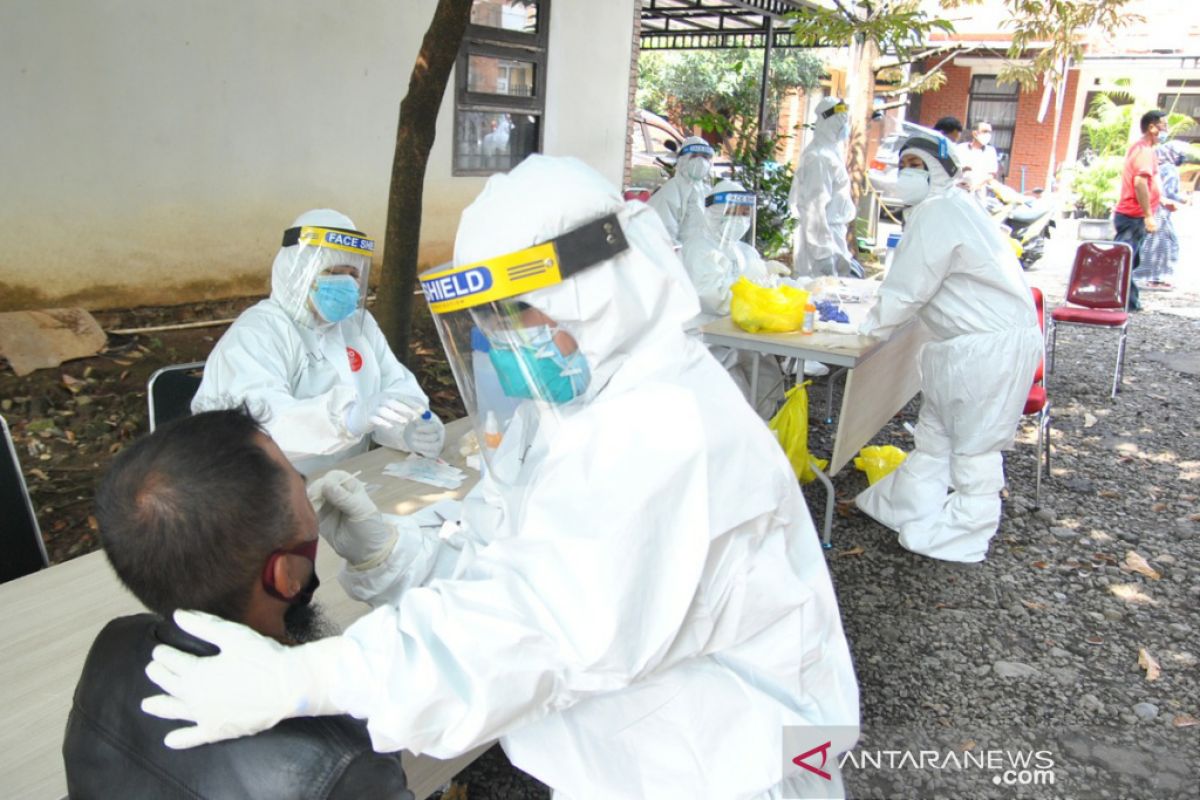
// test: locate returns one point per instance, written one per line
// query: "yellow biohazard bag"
(758, 309)
(878, 460)
(790, 426)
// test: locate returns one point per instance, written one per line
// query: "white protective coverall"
(686, 188)
(955, 271)
(715, 256)
(820, 197)
(637, 602)
(299, 374)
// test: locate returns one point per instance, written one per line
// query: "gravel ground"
(1037, 649)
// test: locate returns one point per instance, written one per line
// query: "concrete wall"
(154, 152)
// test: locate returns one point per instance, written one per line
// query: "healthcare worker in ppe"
(716, 255)
(310, 361)
(686, 189)
(820, 198)
(636, 602)
(955, 271)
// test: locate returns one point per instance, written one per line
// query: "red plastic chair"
(1097, 295)
(1039, 403)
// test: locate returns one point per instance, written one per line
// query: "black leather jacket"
(113, 749)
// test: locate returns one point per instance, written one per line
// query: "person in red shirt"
(1140, 192)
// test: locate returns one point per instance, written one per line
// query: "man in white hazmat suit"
(715, 256)
(636, 603)
(310, 361)
(820, 198)
(687, 187)
(955, 271)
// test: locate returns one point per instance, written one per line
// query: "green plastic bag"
(790, 426)
(878, 460)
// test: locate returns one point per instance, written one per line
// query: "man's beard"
(307, 623)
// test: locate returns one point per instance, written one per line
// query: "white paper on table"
(430, 471)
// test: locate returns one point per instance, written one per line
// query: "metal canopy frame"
(718, 24)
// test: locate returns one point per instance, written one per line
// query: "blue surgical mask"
(335, 296)
(1163, 136)
(540, 371)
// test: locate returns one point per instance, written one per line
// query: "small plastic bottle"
(810, 319)
(491, 431)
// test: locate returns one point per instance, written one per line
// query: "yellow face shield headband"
(838, 108)
(343, 239)
(457, 288)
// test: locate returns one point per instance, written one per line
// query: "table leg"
(829, 393)
(754, 383)
(827, 537)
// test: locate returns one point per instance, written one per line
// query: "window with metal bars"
(500, 85)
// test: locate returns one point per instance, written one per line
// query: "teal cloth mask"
(540, 371)
(335, 296)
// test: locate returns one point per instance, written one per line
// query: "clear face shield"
(695, 161)
(512, 359)
(330, 268)
(730, 214)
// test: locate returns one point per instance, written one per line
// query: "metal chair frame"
(153, 415)
(1123, 329)
(1043, 415)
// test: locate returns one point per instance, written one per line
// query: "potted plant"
(1097, 187)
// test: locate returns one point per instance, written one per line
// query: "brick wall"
(631, 106)
(949, 101)
(1031, 139)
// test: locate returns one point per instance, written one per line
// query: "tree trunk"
(414, 139)
(860, 96)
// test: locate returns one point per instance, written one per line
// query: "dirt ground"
(67, 422)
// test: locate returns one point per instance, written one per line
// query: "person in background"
(716, 255)
(311, 362)
(955, 271)
(207, 513)
(636, 603)
(980, 162)
(1160, 252)
(1141, 193)
(820, 198)
(950, 127)
(687, 187)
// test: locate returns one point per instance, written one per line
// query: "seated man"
(207, 513)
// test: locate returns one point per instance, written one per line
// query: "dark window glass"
(996, 104)
(488, 141)
(508, 15)
(504, 76)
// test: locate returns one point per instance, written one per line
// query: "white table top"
(49, 619)
(839, 349)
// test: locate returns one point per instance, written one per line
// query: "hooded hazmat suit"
(636, 603)
(955, 271)
(820, 197)
(299, 374)
(687, 187)
(715, 256)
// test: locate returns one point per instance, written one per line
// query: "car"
(655, 145)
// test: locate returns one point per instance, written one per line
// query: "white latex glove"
(425, 437)
(349, 519)
(252, 684)
(382, 410)
(777, 268)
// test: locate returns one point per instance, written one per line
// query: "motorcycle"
(1029, 221)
